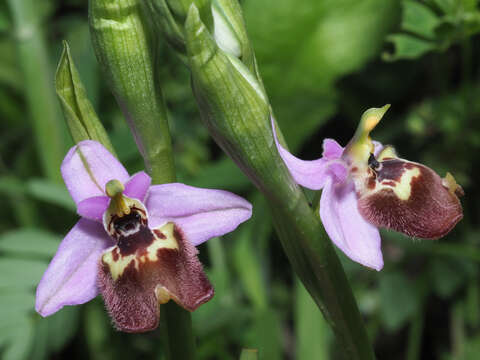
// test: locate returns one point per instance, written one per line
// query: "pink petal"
(138, 185)
(93, 208)
(331, 149)
(103, 167)
(356, 237)
(378, 146)
(200, 213)
(71, 277)
(314, 173)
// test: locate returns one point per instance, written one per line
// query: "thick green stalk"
(235, 109)
(126, 52)
(38, 86)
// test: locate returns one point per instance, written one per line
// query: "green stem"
(127, 54)
(415, 335)
(43, 107)
(235, 110)
(179, 336)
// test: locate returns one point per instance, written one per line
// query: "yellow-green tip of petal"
(359, 148)
(114, 189)
(370, 119)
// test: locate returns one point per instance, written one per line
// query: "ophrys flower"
(366, 186)
(135, 242)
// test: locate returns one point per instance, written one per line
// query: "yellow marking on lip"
(402, 188)
(387, 152)
(117, 267)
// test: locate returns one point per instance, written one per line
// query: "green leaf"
(29, 242)
(33, 60)
(419, 19)
(15, 303)
(447, 277)
(51, 192)
(19, 273)
(221, 174)
(81, 118)
(303, 50)
(62, 327)
(311, 330)
(249, 354)
(17, 339)
(399, 301)
(266, 335)
(247, 266)
(407, 47)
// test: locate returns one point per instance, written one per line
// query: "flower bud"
(126, 52)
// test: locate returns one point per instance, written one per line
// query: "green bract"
(81, 118)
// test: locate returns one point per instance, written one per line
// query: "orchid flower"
(135, 242)
(366, 186)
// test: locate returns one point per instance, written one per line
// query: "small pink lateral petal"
(93, 208)
(200, 213)
(103, 167)
(331, 149)
(137, 186)
(71, 276)
(311, 174)
(356, 237)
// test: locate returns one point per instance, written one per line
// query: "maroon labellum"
(146, 268)
(410, 198)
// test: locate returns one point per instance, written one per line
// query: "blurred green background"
(323, 63)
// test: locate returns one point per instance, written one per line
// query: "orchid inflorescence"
(135, 242)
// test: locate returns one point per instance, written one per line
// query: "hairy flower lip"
(369, 193)
(200, 214)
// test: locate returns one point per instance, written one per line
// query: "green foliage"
(303, 50)
(433, 25)
(322, 66)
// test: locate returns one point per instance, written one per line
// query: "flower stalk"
(236, 111)
(127, 53)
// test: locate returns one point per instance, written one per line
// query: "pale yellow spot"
(403, 187)
(162, 294)
(451, 184)
(387, 152)
(118, 267)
